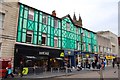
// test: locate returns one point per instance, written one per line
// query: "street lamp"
(81, 44)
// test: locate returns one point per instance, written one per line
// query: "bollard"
(58, 69)
(51, 70)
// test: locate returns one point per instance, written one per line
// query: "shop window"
(31, 14)
(44, 19)
(55, 42)
(29, 37)
(1, 20)
(55, 23)
(68, 26)
(43, 39)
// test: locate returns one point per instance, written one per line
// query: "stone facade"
(119, 46)
(9, 30)
(104, 45)
(113, 40)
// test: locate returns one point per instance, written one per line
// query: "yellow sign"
(87, 55)
(62, 54)
(110, 57)
(69, 52)
(25, 71)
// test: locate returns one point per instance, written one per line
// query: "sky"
(97, 15)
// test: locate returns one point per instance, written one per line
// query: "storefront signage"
(43, 53)
(25, 71)
(32, 57)
(62, 54)
(67, 52)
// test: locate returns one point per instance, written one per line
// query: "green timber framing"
(67, 39)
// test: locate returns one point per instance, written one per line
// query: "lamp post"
(81, 45)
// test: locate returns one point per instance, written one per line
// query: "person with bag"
(9, 71)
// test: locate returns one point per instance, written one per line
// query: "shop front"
(69, 58)
(42, 58)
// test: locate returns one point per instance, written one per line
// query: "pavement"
(107, 73)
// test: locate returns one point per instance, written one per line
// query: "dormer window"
(31, 14)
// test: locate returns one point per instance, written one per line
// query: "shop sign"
(110, 57)
(31, 57)
(67, 52)
(25, 71)
(43, 53)
(62, 54)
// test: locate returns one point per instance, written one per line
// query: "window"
(55, 42)
(1, 20)
(43, 39)
(95, 48)
(44, 19)
(0, 46)
(77, 44)
(68, 26)
(89, 48)
(89, 34)
(29, 36)
(55, 23)
(77, 30)
(84, 47)
(31, 14)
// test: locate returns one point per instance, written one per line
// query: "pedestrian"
(9, 71)
(113, 63)
(93, 65)
(118, 64)
(21, 68)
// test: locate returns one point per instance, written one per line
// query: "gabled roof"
(58, 17)
(75, 24)
(69, 18)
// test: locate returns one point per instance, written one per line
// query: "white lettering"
(43, 53)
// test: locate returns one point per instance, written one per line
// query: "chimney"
(54, 13)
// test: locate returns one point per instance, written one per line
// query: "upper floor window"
(88, 34)
(77, 45)
(44, 39)
(84, 46)
(55, 42)
(55, 23)
(29, 36)
(68, 26)
(31, 14)
(1, 20)
(89, 48)
(44, 19)
(77, 30)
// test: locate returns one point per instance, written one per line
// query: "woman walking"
(9, 71)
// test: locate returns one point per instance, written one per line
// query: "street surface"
(109, 72)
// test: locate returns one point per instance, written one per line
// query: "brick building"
(8, 21)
